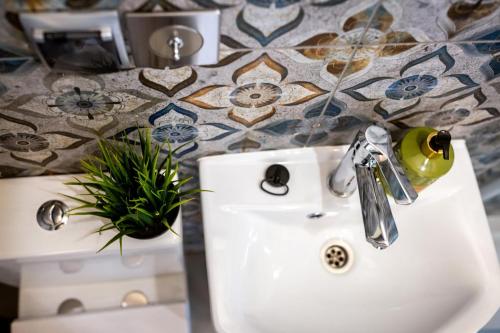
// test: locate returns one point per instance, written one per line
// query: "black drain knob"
(276, 176)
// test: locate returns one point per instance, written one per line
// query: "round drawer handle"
(52, 215)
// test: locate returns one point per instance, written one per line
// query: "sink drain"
(337, 256)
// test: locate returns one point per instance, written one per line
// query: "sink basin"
(300, 262)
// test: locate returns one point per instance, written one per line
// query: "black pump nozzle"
(441, 141)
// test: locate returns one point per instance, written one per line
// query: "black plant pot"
(158, 229)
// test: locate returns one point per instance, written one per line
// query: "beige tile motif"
(377, 39)
(258, 88)
(168, 81)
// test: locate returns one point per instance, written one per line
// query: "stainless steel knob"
(172, 45)
(52, 215)
(176, 43)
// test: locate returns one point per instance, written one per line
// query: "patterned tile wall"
(292, 73)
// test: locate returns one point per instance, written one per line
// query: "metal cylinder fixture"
(52, 215)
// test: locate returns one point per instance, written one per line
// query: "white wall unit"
(53, 266)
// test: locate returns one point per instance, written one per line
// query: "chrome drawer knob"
(52, 215)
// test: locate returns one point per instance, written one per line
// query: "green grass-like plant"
(131, 188)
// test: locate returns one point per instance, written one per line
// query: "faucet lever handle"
(393, 173)
(380, 227)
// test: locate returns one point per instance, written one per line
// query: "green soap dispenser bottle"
(426, 155)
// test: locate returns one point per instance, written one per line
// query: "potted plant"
(131, 187)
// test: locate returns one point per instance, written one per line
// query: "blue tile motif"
(411, 87)
(406, 92)
(180, 128)
(300, 129)
(178, 133)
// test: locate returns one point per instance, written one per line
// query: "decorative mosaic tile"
(182, 129)
(319, 124)
(49, 122)
(257, 89)
(437, 85)
(441, 20)
(190, 114)
(205, 110)
(378, 40)
(290, 23)
(259, 100)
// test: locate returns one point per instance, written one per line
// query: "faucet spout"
(371, 151)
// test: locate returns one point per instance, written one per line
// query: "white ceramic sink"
(268, 271)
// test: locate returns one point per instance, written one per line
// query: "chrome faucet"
(369, 157)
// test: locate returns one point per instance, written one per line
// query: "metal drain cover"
(337, 257)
